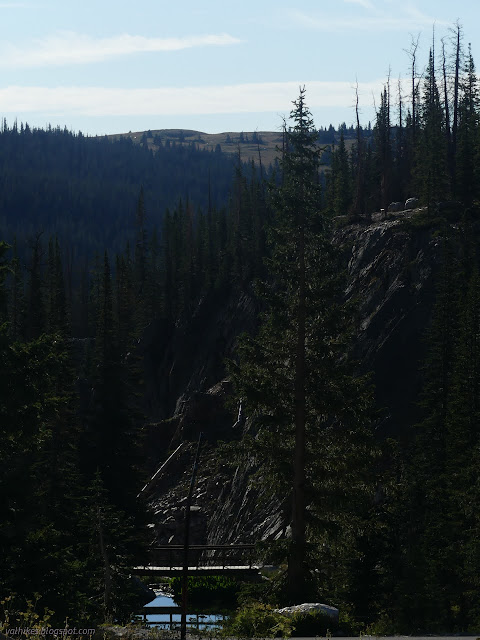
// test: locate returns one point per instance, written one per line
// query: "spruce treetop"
(301, 138)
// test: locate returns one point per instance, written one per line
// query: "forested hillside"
(84, 189)
(120, 302)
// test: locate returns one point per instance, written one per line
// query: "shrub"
(347, 623)
(14, 614)
(315, 623)
(258, 620)
(383, 626)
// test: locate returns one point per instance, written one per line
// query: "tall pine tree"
(292, 375)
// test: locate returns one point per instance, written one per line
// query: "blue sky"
(109, 66)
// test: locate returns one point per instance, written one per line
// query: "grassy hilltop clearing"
(269, 143)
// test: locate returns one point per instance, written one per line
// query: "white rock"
(309, 607)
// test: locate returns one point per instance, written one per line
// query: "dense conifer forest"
(100, 241)
(64, 183)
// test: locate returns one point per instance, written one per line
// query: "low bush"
(315, 623)
(383, 626)
(258, 620)
(347, 623)
(17, 612)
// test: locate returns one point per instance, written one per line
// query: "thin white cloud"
(241, 98)
(364, 3)
(68, 47)
(20, 5)
(404, 18)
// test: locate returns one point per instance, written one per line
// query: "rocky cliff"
(392, 262)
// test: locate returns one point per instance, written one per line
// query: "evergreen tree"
(462, 441)
(56, 304)
(141, 261)
(17, 296)
(111, 437)
(110, 547)
(126, 301)
(35, 294)
(431, 152)
(428, 578)
(38, 478)
(154, 293)
(383, 148)
(4, 269)
(458, 36)
(291, 376)
(341, 182)
(466, 160)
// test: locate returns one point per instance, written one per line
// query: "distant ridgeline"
(85, 189)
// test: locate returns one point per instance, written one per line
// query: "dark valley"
(313, 311)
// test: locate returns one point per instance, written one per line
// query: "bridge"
(240, 560)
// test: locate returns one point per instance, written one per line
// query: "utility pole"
(186, 543)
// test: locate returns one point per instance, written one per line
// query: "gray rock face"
(392, 272)
(189, 357)
(395, 206)
(411, 203)
(310, 607)
(168, 500)
(227, 507)
(392, 269)
(243, 513)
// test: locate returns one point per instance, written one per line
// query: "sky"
(113, 66)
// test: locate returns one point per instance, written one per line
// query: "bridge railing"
(226, 555)
(171, 618)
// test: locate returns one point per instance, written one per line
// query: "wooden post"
(183, 633)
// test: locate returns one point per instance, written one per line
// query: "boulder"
(310, 607)
(395, 206)
(411, 203)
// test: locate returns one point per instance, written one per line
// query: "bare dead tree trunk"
(448, 131)
(359, 201)
(400, 104)
(412, 52)
(400, 146)
(107, 571)
(388, 150)
(456, 88)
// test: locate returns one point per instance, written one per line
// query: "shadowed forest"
(105, 242)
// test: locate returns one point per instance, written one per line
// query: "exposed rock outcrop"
(188, 359)
(411, 203)
(310, 607)
(392, 262)
(395, 206)
(392, 267)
